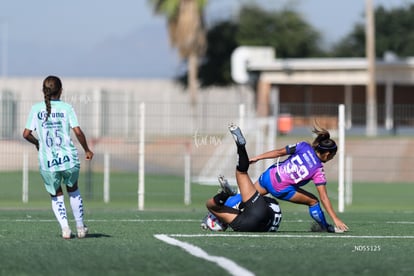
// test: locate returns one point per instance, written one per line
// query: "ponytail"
(52, 86)
(323, 142)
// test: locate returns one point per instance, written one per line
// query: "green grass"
(122, 240)
(161, 192)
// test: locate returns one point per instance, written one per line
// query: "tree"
(285, 30)
(215, 68)
(393, 32)
(187, 34)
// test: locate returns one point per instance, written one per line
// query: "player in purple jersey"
(284, 179)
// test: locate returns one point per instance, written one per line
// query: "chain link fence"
(175, 131)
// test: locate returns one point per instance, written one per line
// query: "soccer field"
(166, 239)
(127, 242)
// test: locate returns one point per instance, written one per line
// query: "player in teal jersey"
(52, 120)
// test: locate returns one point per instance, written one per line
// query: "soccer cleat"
(66, 233)
(203, 224)
(237, 135)
(225, 186)
(210, 222)
(82, 231)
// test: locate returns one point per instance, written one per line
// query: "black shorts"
(257, 216)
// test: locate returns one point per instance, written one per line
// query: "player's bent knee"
(210, 203)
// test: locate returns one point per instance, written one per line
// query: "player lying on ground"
(305, 162)
(255, 213)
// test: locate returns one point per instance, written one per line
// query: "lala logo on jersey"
(57, 161)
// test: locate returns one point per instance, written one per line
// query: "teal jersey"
(56, 149)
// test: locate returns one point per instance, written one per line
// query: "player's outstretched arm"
(323, 194)
(269, 155)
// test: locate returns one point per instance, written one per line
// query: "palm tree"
(187, 34)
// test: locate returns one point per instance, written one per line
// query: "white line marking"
(228, 265)
(341, 236)
(178, 220)
(121, 220)
(104, 220)
(167, 220)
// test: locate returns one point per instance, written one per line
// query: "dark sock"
(221, 198)
(243, 164)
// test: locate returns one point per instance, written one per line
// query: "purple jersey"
(302, 166)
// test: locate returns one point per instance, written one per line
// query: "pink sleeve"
(319, 177)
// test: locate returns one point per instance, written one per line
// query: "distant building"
(322, 81)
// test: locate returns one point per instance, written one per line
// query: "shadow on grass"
(98, 235)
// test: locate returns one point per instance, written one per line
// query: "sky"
(102, 38)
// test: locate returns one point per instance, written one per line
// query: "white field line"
(232, 267)
(104, 220)
(29, 219)
(400, 222)
(227, 264)
(233, 234)
(118, 220)
(278, 235)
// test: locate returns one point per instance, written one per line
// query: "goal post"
(106, 182)
(25, 183)
(341, 158)
(141, 157)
